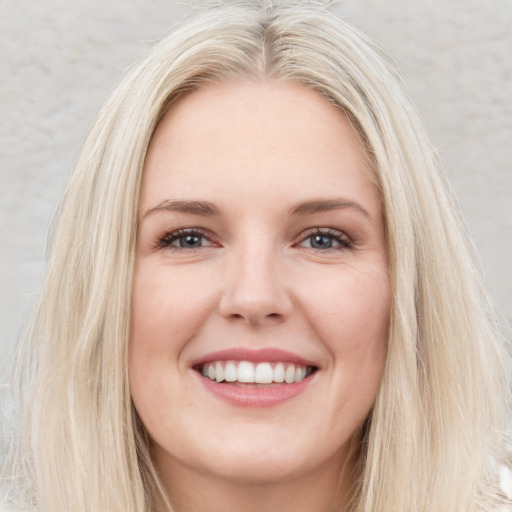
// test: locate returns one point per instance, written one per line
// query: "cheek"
(167, 309)
(349, 306)
(350, 315)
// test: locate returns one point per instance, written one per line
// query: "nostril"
(254, 302)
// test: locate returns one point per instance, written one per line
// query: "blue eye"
(184, 239)
(321, 241)
(189, 241)
(325, 239)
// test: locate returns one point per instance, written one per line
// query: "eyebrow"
(208, 209)
(322, 205)
(191, 207)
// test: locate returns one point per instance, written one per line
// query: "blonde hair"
(438, 421)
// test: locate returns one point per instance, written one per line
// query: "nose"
(254, 290)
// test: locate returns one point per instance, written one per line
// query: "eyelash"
(166, 241)
(338, 236)
(169, 238)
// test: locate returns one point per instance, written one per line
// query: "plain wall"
(61, 58)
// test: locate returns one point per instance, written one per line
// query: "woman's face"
(260, 256)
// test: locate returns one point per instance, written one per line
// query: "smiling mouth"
(246, 373)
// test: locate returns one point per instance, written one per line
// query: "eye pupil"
(321, 242)
(190, 241)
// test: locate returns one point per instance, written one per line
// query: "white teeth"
(219, 372)
(279, 372)
(230, 372)
(289, 374)
(264, 373)
(245, 372)
(260, 373)
(300, 373)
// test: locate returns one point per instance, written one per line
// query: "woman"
(260, 297)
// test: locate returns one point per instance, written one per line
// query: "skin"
(256, 279)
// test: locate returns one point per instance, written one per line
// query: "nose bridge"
(255, 288)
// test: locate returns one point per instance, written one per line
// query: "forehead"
(242, 139)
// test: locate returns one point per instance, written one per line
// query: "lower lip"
(246, 396)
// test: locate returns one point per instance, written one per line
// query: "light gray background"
(60, 59)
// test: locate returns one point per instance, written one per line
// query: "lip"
(249, 396)
(270, 355)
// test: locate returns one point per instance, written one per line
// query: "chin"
(265, 462)
(261, 470)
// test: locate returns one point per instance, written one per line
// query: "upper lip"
(270, 355)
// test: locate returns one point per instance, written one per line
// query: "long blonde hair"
(438, 422)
